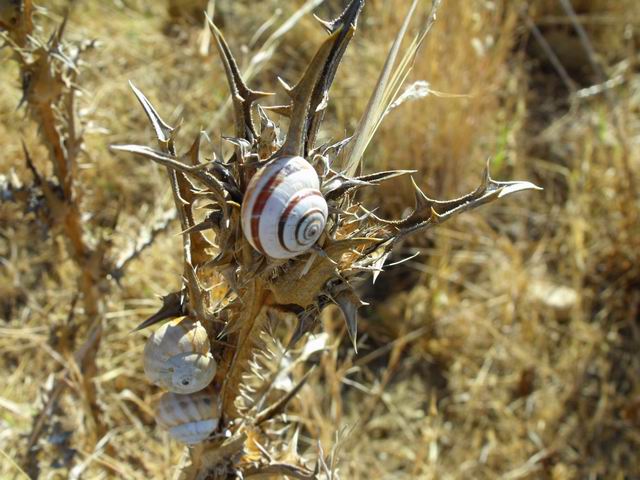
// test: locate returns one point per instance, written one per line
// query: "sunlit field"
(503, 343)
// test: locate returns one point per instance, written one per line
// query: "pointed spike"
(284, 110)
(349, 16)
(254, 95)
(232, 73)
(173, 306)
(194, 152)
(161, 128)
(512, 187)
(211, 206)
(174, 135)
(56, 36)
(37, 179)
(376, 178)
(339, 184)
(326, 24)
(264, 119)
(194, 290)
(155, 155)
(264, 451)
(486, 177)
(349, 303)
(229, 329)
(378, 265)
(237, 142)
(435, 217)
(198, 227)
(223, 258)
(421, 200)
(285, 85)
(293, 444)
(487, 170)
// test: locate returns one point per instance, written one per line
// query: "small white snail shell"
(188, 418)
(283, 212)
(177, 357)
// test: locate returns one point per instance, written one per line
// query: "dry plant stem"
(250, 357)
(251, 320)
(63, 151)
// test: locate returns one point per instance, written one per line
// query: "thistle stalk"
(48, 73)
(261, 291)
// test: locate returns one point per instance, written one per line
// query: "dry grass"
(507, 348)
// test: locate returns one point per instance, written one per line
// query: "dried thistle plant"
(49, 67)
(290, 237)
(48, 73)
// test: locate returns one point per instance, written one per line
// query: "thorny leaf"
(339, 184)
(241, 95)
(346, 24)
(195, 244)
(429, 212)
(307, 94)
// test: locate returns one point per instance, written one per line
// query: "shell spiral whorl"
(189, 418)
(177, 357)
(283, 211)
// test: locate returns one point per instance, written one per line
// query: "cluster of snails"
(177, 357)
(283, 215)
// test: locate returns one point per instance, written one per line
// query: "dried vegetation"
(508, 347)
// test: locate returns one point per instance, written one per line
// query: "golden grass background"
(509, 348)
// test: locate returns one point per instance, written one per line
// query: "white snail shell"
(177, 357)
(283, 211)
(189, 418)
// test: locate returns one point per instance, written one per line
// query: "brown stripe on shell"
(263, 198)
(285, 215)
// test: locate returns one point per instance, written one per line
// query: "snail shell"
(189, 418)
(283, 211)
(177, 357)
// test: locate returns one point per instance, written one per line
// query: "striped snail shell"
(283, 212)
(189, 418)
(177, 357)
